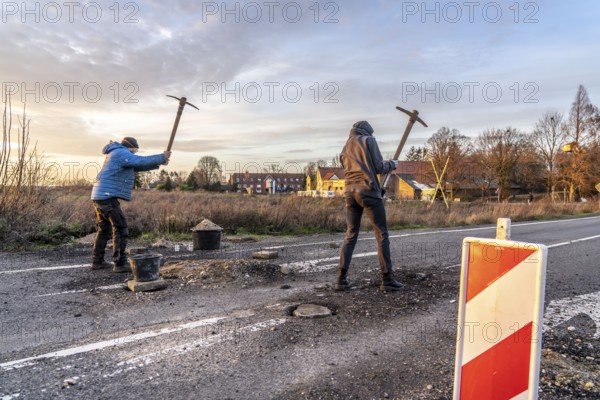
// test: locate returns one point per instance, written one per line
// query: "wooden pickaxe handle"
(182, 103)
(414, 117)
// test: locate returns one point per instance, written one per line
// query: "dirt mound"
(207, 272)
(207, 225)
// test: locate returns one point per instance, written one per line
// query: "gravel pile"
(207, 225)
(571, 361)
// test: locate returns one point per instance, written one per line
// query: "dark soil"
(571, 361)
(216, 272)
(570, 366)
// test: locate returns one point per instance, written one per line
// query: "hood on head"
(111, 146)
(362, 128)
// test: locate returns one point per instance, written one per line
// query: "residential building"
(331, 179)
(417, 180)
(266, 182)
(412, 180)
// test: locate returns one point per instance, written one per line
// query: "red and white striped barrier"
(499, 320)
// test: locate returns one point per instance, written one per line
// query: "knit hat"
(130, 142)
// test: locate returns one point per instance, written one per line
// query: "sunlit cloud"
(288, 88)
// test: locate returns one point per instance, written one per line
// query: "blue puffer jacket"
(118, 172)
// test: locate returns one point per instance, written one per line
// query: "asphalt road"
(69, 332)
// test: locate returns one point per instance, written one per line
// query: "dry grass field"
(64, 213)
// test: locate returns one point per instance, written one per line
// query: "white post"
(503, 229)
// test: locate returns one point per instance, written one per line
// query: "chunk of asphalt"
(311, 311)
(265, 255)
(149, 286)
(286, 270)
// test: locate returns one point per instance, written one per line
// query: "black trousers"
(357, 201)
(111, 222)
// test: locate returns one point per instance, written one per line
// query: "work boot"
(389, 284)
(101, 265)
(120, 268)
(342, 280)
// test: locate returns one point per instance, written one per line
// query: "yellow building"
(406, 187)
(330, 179)
(411, 180)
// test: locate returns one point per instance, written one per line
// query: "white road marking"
(559, 311)
(290, 245)
(452, 266)
(310, 265)
(149, 358)
(573, 241)
(18, 271)
(437, 232)
(24, 362)
(391, 237)
(101, 288)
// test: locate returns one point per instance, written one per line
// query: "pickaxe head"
(414, 116)
(183, 101)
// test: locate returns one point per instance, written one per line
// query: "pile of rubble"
(211, 272)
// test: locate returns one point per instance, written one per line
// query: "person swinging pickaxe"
(182, 102)
(414, 116)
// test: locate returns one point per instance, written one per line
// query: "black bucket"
(145, 267)
(206, 240)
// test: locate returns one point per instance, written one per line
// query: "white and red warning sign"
(500, 315)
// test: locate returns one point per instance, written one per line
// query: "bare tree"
(273, 168)
(22, 172)
(208, 171)
(578, 167)
(336, 162)
(530, 171)
(147, 178)
(582, 119)
(322, 163)
(546, 139)
(451, 147)
(498, 152)
(310, 169)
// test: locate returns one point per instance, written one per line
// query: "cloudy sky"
(282, 81)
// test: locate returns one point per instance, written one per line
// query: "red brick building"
(264, 183)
